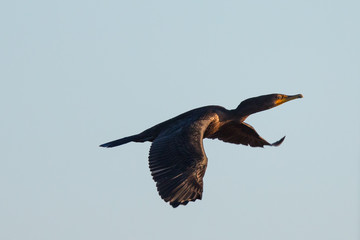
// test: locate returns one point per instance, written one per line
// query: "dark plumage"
(177, 159)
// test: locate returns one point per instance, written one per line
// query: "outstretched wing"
(178, 162)
(242, 133)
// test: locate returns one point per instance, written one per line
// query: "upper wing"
(242, 133)
(178, 162)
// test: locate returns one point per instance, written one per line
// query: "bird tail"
(134, 138)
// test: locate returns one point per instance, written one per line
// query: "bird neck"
(246, 109)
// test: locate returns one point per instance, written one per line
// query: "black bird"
(177, 159)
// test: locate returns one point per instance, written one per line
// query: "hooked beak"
(288, 98)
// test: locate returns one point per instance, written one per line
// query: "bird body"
(177, 159)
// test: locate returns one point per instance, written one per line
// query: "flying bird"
(177, 159)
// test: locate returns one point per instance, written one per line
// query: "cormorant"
(177, 159)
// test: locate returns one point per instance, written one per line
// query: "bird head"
(261, 103)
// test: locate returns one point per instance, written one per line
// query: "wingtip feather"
(277, 143)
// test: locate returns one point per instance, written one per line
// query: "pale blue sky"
(75, 74)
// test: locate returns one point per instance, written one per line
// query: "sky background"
(76, 74)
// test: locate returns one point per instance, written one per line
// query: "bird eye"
(279, 96)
